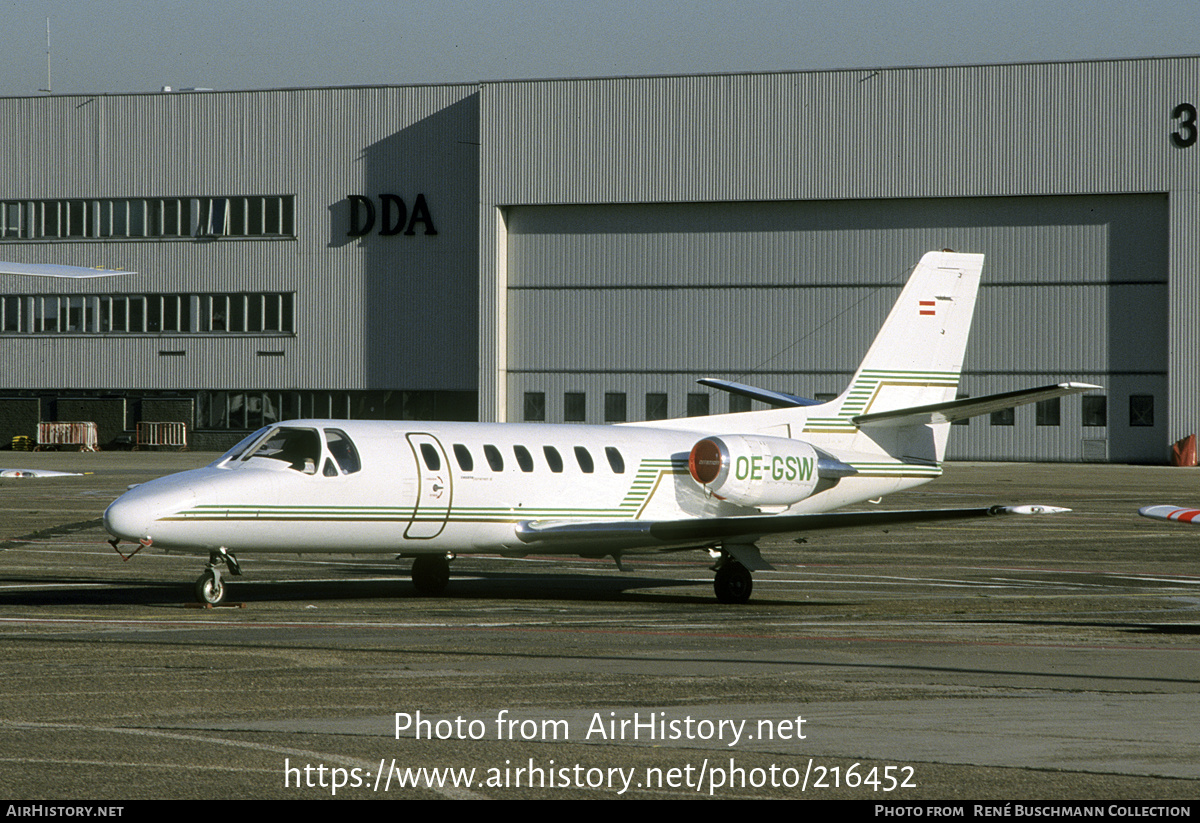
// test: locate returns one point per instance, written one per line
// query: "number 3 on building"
(1185, 135)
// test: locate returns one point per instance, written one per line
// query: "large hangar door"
(615, 310)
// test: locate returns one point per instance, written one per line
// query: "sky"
(113, 46)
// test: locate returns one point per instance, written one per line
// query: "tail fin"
(917, 356)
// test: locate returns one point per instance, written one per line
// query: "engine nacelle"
(755, 471)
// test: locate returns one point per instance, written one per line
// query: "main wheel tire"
(733, 583)
(430, 573)
(210, 588)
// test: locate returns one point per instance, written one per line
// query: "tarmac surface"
(1043, 658)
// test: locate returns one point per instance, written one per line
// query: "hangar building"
(583, 250)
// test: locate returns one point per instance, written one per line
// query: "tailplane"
(917, 356)
(901, 400)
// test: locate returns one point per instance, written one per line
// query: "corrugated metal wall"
(375, 312)
(789, 296)
(1065, 175)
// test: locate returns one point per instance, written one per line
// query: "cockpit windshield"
(299, 449)
(242, 445)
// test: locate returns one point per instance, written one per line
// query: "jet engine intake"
(752, 470)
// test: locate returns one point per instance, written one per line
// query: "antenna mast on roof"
(48, 88)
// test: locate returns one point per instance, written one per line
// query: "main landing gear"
(431, 573)
(733, 582)
(210, 588)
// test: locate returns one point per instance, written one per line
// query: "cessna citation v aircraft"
(431, 491)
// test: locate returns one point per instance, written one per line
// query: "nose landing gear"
(210, 588)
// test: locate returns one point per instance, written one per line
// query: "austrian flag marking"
(928, 307)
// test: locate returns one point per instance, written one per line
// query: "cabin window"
(585, 460)
(493, 458)
(553, 458)
(432, 461)
(463, 455)
(343, 451)
(615, 460)
(524, 458)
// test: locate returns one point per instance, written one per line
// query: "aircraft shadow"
(66, 591)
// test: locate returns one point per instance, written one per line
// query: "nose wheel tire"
(210, 588)
(733, 583)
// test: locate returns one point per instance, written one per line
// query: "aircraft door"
(434, 488)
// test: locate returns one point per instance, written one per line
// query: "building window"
(739, 403)
(535, 406)
(270, 313)
(11, 308)
(1046, 412)
(1095, 410)
(252, 410)
(1004, 417)
(1141, 410)
(574, 406)
(246, 313)
(614, 407)
(156, 218)
(697, 405)
(656, 406)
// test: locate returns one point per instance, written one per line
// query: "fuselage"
(413, 488)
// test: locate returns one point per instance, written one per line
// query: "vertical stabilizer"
(917, 356)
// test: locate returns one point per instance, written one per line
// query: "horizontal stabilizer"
(969, 407)
(701, 530)
(771, 398)
(51, 270)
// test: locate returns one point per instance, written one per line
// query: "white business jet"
(431, 491)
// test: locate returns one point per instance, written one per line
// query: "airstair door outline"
(434, 487)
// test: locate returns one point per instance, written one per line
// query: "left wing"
(625, 534)
(1173, 513)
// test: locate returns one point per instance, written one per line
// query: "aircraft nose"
(127, 519)
(132, 515)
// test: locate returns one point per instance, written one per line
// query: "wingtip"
(1029, 509)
